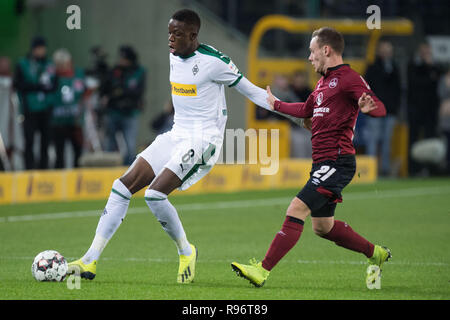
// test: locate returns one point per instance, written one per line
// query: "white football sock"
(97, 246)
(167, 216)
(111, 218)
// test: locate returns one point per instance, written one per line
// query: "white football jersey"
(198, 93)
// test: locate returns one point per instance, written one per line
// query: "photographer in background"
(423, 102)
(67, 113)
(384, 77)
(34, 80)
(123, 98)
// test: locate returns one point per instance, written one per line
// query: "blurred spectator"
(96, 76)
(5, 114)
(444, 112)
(423, 100)
(282, 90)
(164, 121)
(98, 69)
(34, 81)
(123, 96)
(300, 86)
(67, 107)
(300, 137)
(359, 140)
(383, 77)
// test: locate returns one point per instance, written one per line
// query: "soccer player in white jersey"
(182, 156)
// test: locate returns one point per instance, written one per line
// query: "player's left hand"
(366, 103)
(270, 98)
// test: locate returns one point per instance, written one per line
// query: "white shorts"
(190, 158)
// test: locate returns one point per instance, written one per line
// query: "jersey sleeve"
(224, 71)
(298, 109)
(256, 94)
(355, 86)
(259, 97)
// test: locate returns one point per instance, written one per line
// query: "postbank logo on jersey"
(180, 89)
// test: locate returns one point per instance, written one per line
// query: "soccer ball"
(49, 265)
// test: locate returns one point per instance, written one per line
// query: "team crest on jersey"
(195, 70)
(333, 83)
(319, 98)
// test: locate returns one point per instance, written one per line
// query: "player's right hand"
(270, 98)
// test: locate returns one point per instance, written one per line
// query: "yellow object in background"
(89, 184)
(6, 188)
(39, 185)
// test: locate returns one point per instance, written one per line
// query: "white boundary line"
(398, 193)
(175, 260)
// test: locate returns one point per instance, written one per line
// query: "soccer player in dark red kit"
(330, 112)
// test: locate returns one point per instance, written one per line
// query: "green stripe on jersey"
(236, 81)
(205, 49)
(188, 56)
(209, 152)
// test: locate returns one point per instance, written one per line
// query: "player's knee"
(154, 199)
(130, 183)
(139, 175)
(126, 182)
(122, 188)
(321, 228)
(298, 209)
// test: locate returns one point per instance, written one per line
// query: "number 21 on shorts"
(323, 173)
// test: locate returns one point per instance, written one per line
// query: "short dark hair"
(38, 41)
(330, 37)
(128, 53)
(189, 17)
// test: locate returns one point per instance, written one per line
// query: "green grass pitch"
(411, 217)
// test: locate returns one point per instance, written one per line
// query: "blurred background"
(97, 95)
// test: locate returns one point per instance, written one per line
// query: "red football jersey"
(333, 106)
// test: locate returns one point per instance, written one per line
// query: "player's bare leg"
(165, 212)
(298, 209)
(322, 226)
(139, 175)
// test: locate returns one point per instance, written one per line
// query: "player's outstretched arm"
(359, 91)
(298, 109)
(259, 97)
(271, 99)
(372, 106)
